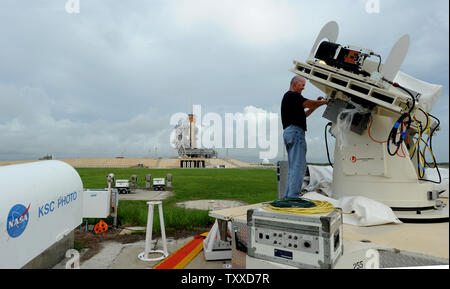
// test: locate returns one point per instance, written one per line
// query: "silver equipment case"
(303, 241)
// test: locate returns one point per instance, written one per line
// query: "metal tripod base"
(148, 235)
(144, 257)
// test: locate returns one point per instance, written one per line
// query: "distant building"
(46, 158)
(185, 141)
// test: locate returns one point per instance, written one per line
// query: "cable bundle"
(422, 164)
(404, 123)
(299, 206)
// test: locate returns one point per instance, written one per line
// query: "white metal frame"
(213, 241)
(148, 236)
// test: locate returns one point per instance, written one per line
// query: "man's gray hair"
(297, 78)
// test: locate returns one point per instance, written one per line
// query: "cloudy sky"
(105, 82)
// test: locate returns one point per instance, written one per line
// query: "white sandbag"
(367, 212)
(432, 174)
(320, 178)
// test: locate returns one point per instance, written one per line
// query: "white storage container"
(40, 203)
(159, 181)
(96, 203)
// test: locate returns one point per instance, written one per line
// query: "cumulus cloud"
(104, 82)
(29, 130)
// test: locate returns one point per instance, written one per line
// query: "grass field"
(247, 185)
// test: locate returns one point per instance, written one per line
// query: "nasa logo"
(17, 220)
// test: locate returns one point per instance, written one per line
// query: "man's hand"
(312, 105)
(322, 99)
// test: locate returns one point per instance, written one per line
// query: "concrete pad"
(145, 195)
(115, 255)
(104, 258)
(208, 205)
(128, 257)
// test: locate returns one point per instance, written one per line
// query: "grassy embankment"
(247, 185)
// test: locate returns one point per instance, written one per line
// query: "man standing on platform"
(294, 111)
